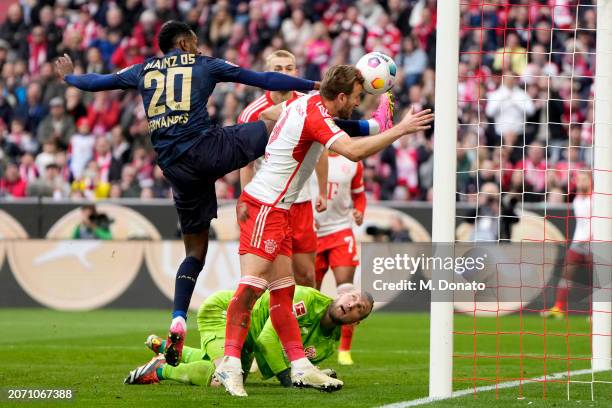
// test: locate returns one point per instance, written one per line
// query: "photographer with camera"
(94, 225)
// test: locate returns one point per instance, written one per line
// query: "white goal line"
(508, 384)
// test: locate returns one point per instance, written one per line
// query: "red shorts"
(266, 232)
(337, 249)
(302, 228)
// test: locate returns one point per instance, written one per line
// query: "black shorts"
(192, 176)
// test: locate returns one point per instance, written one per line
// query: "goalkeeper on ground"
(319, 317)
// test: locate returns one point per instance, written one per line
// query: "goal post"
(444, 180)
(602, 187)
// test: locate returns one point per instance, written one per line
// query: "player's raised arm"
(271, 81)
(124, 79)
(357, 149)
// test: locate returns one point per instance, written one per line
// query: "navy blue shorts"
(217, 152)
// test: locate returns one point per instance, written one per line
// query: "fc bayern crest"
(270, 246)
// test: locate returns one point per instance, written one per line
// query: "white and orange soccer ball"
(378, 70)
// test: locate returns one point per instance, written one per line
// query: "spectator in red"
(103, 112)
(146, 32)
(11, 185)
(142, 164)
(384, 37)
(37, 45)
(27, 169)
(534, 167)
(85, 26)
(406, 158)
(109, 168)
(127, 54)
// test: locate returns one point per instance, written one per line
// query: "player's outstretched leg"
(303, 373)
(346, 274)
(148, 373)
(229, 372)
(194, 373)
(196, 246)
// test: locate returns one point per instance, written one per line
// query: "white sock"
(179, 320)
(232, 362)
(301, 364)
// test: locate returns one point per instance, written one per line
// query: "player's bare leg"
(344, 280)
(196, 246)
(304, 269)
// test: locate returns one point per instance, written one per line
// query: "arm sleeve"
(358, 189)
(272, 81)
(270, 348)
(125, 79)
(354, 127)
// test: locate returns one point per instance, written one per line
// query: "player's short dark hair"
(340, 79)
(170, 33)
(370, 299)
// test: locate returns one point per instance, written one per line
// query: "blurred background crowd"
(525, 89)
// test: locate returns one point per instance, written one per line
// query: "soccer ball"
(379, 72)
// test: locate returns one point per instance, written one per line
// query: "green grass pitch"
(91, 353)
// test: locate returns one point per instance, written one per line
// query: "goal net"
(533, 178)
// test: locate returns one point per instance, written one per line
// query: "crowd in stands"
(525, 89)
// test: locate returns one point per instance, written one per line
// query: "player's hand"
(358, 216)
(414, 122)
(321, 203)
(64, 66)
(317, 85)
(241, 211)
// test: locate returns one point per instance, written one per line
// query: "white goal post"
(444, 181)
(602, 182)
(443, 217)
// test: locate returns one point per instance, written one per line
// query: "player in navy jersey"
(191, 152)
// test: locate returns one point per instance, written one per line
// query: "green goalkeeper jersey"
(309, 307)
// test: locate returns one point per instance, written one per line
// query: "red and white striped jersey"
(344, 181)
(294, 147)
(251, 114)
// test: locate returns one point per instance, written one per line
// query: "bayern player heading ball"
(378, 70)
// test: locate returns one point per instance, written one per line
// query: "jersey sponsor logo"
(310, 352)
(299, 309)
(332, 125)
(270, 246)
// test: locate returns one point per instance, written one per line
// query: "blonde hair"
(279, 54)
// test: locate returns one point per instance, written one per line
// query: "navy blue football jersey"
(175, 89)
